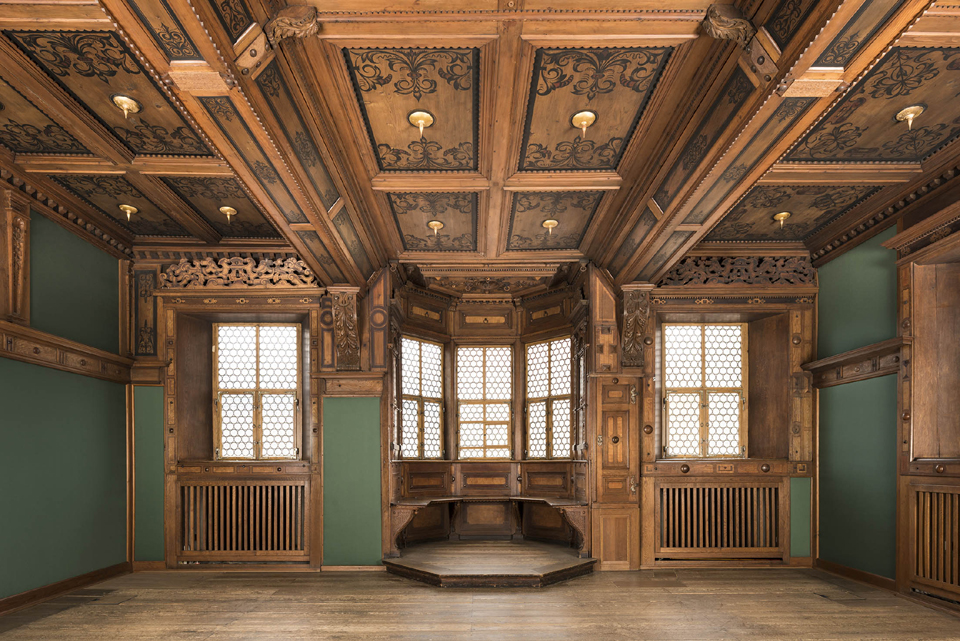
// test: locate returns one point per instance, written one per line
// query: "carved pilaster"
(145, 312)
(636, 314)
(293, 21)
(378, 298)
(15, 258)
(726, 22)
(346, 329)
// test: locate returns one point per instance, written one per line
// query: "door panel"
(617, 461)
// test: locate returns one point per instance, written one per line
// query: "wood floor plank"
(681, 605)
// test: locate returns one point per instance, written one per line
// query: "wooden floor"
(490, 563)
(762, 605)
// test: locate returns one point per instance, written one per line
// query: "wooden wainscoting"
(708, 519)
(933, 507)
(254, 520)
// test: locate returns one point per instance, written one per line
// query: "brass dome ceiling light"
(229, 212)
(129, 210)
(435, 225)
(549, 224)
(583, 119)
(421, 119)
(909, 113)
(781, 217)
(126, 104)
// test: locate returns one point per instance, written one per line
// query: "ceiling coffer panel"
(206, 194)
(810, 206)
(107, 193)
(615, 84)
(457, 211)
(391, 84)
(572, 212)
(863, 126)
(96, 66)
(24, 129)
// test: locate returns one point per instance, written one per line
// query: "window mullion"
(704, 397)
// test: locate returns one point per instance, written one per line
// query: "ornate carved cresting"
(238, 272)
(346, 330)
(295, 21)
(744, 270)
(726, 22)
(636, 312)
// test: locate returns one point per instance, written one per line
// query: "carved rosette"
(346, 330)
(237, 272)
(726, 22)
(636, 313)
(294, 21)
(19, 257)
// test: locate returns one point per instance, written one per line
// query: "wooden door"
(618, 442)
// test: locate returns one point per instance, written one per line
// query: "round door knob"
(648, 429)
(684, 468)
(765, 468)
(615, 440)
(940, 469)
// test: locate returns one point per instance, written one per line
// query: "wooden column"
(15, 257)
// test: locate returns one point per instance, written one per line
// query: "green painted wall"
(800, 516)
(858, 298)
(74, 287)
(148, 483)
(858, 475)
(351, 481)
(62, 475)
(858, 421)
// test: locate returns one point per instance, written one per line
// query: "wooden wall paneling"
(802, 349)
(768, 387)
(616, 537)
(15, 257)
(486, 519)
(316, 470)
(604, 346)
(170, 500)
(378, 298)
(545, 523)
(617, 452)
(327, 349)
(194, 416)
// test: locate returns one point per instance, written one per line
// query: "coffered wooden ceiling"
(710, 118)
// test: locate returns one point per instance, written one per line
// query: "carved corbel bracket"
(294, 21)
(577, 518)
(726, 22)
(400, 517)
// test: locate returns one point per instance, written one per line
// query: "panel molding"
(879, 359)
(40, 348)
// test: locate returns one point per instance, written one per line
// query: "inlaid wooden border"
(40, 348)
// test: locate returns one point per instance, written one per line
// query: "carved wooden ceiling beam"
(810, 108)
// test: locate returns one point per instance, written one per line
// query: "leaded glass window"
(257, 391)
(704, 391)
(421, 389)
(548, 400)
(484, 396)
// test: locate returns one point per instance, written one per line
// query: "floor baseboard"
(46, 592)
(857, 575)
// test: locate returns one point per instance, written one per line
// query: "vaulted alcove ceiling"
(704, 120)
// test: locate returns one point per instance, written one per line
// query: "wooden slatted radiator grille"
(720, 521)
(255, 521)
(937, 558)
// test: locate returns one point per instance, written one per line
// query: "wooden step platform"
(493, 564)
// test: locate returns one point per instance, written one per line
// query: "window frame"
(420, 403)
(548, 400)
(510, 402)
(257, 393)
(704, 391)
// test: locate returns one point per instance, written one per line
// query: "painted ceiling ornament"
(294, 21)
(726, 22)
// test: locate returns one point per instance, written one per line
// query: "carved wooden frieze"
(636, 313)
(238, 272)
(293, 21)
(346, 330)
(726, 22)
(743, 270)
